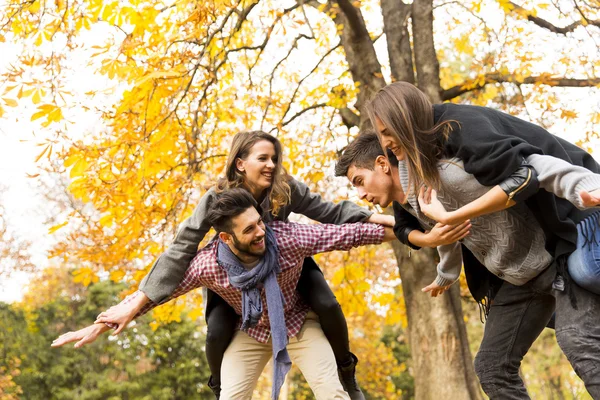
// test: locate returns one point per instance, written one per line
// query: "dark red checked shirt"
(296, 242)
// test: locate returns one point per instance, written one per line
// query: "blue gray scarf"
(264, 272)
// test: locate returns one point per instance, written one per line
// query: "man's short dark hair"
(229, 204)
(362, 153)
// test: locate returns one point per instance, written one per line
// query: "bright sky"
(19, 139)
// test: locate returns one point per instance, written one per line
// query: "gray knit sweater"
(169, 269)
(510, 243)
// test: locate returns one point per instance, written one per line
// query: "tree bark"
(428, 67)
(442, 365)
(396, 16)
(358, 45)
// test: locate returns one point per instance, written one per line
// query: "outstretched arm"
(313, 206)
(122, 314)
(382, 219)
(520, 185)
(83, 336)
(576, 184)
(321, 238)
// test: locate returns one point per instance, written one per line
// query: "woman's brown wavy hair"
(241, 146)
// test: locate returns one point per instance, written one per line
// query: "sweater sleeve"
(562, 178)
(314, 207)
(448, 269)
(170, 268)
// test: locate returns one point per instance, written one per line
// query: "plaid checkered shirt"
(295, 242)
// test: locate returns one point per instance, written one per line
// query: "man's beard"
(244, 249)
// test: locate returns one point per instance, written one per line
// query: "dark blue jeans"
(584, 263)
(518, 315)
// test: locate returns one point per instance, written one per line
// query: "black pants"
(518, 315)
(221, 318)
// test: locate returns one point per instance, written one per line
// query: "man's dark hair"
(229, 204)
(362, 153)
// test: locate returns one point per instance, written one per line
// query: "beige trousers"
(245, 359)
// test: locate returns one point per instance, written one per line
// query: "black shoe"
(348, 379)
(215, 387)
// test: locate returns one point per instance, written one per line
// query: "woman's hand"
(435, 289)
(83, 336)
(431, 206)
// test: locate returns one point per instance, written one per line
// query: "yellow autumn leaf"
(85, 276)
(37, 96)
(568, 114)
(78, 168)
(107, 220)
(57, 227)
(43, 110)
(117, 276)
(10, 102)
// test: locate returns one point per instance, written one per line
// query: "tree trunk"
(442, 364)
(428, 67)
(396, 16)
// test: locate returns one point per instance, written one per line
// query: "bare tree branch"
(299, 113)
(477, 84)
(551, 27)
(306, 76)
(292, 47)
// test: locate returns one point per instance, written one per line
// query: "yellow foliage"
(117, 275)
(568, 114)
(85, 276)
(506, 5)
(57, 227)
